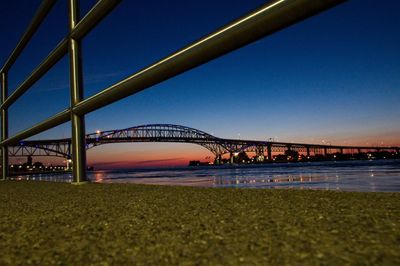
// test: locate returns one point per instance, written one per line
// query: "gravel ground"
(45, 223)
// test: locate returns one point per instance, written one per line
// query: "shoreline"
(342, 175)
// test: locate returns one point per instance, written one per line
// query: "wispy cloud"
(55, 88)
(160, 160)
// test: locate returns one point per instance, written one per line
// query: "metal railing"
(269, 18)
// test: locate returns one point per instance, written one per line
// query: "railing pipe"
(4, 127)
(39, 17)
(49, 123)
(46, 65)
(76, 84)
(266, 20)
(93, 17)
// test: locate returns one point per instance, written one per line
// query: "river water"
(379, 175)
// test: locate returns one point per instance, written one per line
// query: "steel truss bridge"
(182, 134)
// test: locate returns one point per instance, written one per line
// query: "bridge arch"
(158, 133)
(142, 133)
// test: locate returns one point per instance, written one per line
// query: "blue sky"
(333, 77)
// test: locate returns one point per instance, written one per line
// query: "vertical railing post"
(4, 127)
(76, 84)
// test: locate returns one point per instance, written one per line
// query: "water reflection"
(44, 177)
(348, 176)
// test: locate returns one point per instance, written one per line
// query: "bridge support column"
(218, 159)
(269, 151)
(308, 152)
(76, 83)
(325, 152)
(231, 157)
(288, 152)
(4, 127)
(69, 164)
(260, 153)
(341, 151)
(359, 151)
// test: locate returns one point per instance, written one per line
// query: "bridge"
(181, 134)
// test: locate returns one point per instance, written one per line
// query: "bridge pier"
(218, 159)
(308, 151)
(69, 164)
(269, 151)
(260, 153)
(325, 151)
(231, 157)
